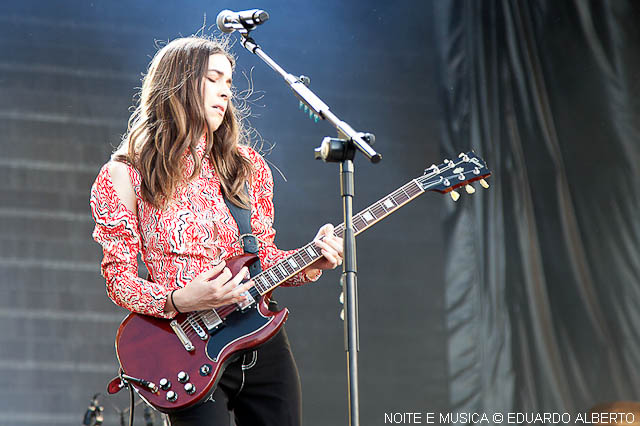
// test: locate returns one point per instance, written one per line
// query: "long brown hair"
(170, 119)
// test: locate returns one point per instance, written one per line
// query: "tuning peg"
(470, 189)
(484, 183)
(342, 314)
(454, 195)
(341, 298)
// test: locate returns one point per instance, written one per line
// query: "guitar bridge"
(182, 336)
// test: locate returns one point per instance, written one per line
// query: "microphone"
(229, 21)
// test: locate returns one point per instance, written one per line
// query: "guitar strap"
(248, 240)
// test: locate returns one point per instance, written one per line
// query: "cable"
(132, 406)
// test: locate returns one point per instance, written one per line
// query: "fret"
(282, 269)
(272, 275)
(311, 252)
(389, 203)
(300, 254)
(378, 211)
(259, 280)
(292, 262)
(367, 216)
(395, 197)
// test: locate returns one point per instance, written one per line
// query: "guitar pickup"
(211, 320)
(248, 301)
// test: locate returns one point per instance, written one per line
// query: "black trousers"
(261, 388)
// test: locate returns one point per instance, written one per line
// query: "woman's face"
(217, 89)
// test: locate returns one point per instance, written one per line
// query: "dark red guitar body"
(149, 349)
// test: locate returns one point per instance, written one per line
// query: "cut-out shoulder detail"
(122, 183)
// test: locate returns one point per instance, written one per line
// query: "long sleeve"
(117, 232)
(262, 220)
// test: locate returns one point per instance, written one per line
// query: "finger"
(237, 295)
(224, 276)
(232, 283)
(243, 288)
(333, 260)
(213, 271)
(324, 231)
(334, 243)
(331, 256)
(328, 248)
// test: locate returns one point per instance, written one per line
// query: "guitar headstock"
(450, 175)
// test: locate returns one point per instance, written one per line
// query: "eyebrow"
(220, 73)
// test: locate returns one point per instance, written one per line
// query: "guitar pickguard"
(237, 325)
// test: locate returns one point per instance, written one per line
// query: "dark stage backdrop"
(68, 70)
(544, 317)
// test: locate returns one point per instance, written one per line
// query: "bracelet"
(175, 308)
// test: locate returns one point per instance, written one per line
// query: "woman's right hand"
(206, 292)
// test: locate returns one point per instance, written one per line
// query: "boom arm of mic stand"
(312, 101)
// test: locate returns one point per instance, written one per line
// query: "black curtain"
(543, 269)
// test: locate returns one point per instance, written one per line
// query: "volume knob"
(172, 396)
(164, 384)
(190, 388)
(183, 377)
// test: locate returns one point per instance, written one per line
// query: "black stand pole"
(340, 150)
(350, 290)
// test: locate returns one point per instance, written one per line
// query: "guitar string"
(375, 209)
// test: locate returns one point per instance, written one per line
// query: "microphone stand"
(342, 150)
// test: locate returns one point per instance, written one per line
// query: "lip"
(219, 108)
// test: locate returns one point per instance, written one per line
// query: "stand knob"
(190, 388)
(183, 377)
(164, 384)
(172, 396)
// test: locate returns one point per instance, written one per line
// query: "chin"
(214, 123)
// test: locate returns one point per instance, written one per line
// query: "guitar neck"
(305, 256)
(382, 208)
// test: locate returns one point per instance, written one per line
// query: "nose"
(225, 92)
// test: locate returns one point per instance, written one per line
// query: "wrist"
(174, 299)
(313, 274)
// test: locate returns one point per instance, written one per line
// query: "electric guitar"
(176, 364)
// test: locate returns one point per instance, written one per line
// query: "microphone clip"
(243, 21)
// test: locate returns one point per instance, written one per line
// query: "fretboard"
(269, 279)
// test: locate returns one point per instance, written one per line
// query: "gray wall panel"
(68, 74)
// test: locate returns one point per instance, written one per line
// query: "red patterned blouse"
(182, 240)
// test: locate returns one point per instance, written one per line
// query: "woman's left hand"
(331, 248)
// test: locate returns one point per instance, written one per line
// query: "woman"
(162, 195)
